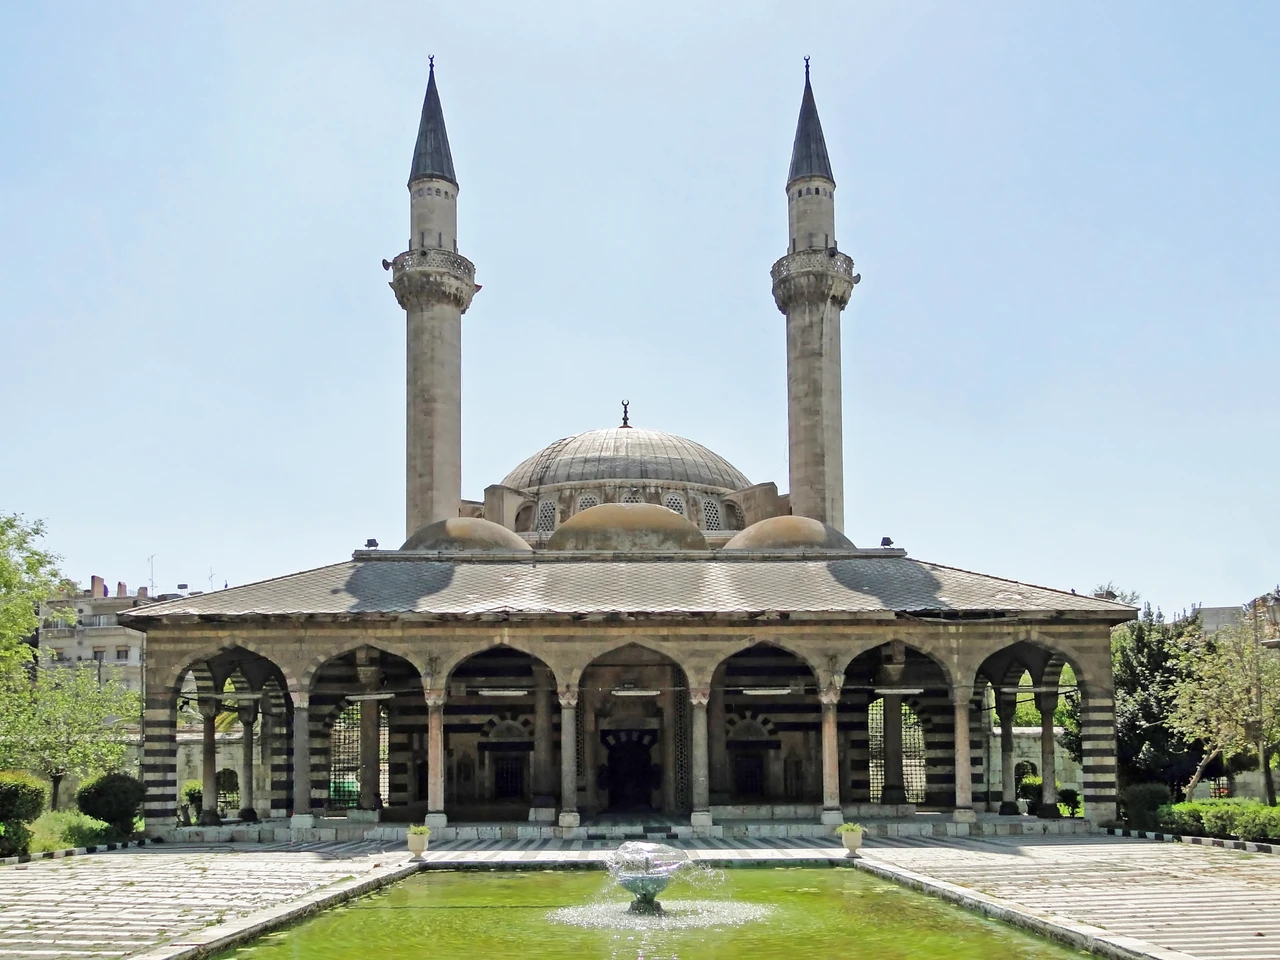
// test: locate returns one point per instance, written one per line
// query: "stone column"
(302, 816)
(1047, 702)
(209, 770)
(960, 698)
(370, 741)
(1006, 706)
(247, 714)
(894, 790)
(829, 697)
(435, 759)
(569, 757)
(542, 786)
(699, 756)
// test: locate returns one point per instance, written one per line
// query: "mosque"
(626, 627)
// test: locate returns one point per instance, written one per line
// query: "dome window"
(631, 496)
(674, 502)
(711, 515)
(547, 515)
(587, 501)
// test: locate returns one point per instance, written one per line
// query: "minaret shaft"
(434, 285)
(812, 285)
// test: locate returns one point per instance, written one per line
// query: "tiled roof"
(459, 587)
(809, 151)
(625, 453)
(431, 156)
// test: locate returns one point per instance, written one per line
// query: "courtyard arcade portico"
(598, 708)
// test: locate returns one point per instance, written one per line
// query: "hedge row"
(1229, 818)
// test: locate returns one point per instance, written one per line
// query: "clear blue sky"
(1062, 364)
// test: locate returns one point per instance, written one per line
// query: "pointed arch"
(171, 679)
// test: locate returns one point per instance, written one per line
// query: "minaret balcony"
(423, 277)
(813, 276)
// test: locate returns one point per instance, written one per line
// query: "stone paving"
(1200, 901)
(163, 901)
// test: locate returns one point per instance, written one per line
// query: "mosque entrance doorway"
(630, 775)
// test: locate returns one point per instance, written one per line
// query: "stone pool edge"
(1082, 936)
(206, 941)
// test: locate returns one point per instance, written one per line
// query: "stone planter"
(417, 844)
(852, 840)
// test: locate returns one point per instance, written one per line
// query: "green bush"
(1226, 818)
(22, 796)
(1071, 800)
(1031, 789)
(1141, 803)
(193, 795)
(15, 838)
(113, 798)
(63, 829)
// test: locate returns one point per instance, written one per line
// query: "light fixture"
(231, 696)
(502, 691)
(897, 691)
(765, 691)
(370, 696)
(634, 692)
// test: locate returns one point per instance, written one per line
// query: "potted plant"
(850, 835)
(418, 834)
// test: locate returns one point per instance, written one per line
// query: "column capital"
(1047, 702)
(568, 696)
(436, 698)
(829, 696)
(700, 697)
(962, 694)
(248, 712)
(369, 676)
(209, 707)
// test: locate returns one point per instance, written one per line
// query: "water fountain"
(644, 870)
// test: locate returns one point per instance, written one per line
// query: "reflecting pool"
(772, 914)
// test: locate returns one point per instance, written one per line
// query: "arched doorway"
(764, 730)
(366, 716)
(634, 733)
(500, 738)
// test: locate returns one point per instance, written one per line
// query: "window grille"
(587, 501)
(631, 497)
(684, 733)
(674, 502)
(748, 774)
(122, 653)
(711, 515)
(344, 758)
(547, 514)
(913, 752)
(508, 777)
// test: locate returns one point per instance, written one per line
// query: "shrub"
(420, 830)
(1227, 817)
(113, 798)
(15, 838)
(1070, 799)
(62, 829)
(193, 795)
(849, 828)
(1257, 822)
(1141, 802)
(1031, 789)
(22, 796)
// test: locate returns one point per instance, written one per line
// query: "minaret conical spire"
(431, 156)
(809, 152)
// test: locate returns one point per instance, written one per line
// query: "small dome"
(466, 533)
(626, 453)
(789, 533)
(626, 528)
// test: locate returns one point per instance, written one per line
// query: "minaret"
(434, 285)
(812, 285)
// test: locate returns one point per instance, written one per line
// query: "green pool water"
(778, 914)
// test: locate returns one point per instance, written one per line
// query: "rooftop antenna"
(625, 417)
(211, 579)
(151, 560)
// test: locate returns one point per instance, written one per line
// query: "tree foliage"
(64, 720)
(1147, 668)
(1229, 697)
(28, 577)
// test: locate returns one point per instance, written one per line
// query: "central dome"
(625, 453)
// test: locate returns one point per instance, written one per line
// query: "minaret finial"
(806, 68)
(625, 417)
(431, 61)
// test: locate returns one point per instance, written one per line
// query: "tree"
(1147, 668)
(28, 577)
(1229, 698)
(64, 721)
